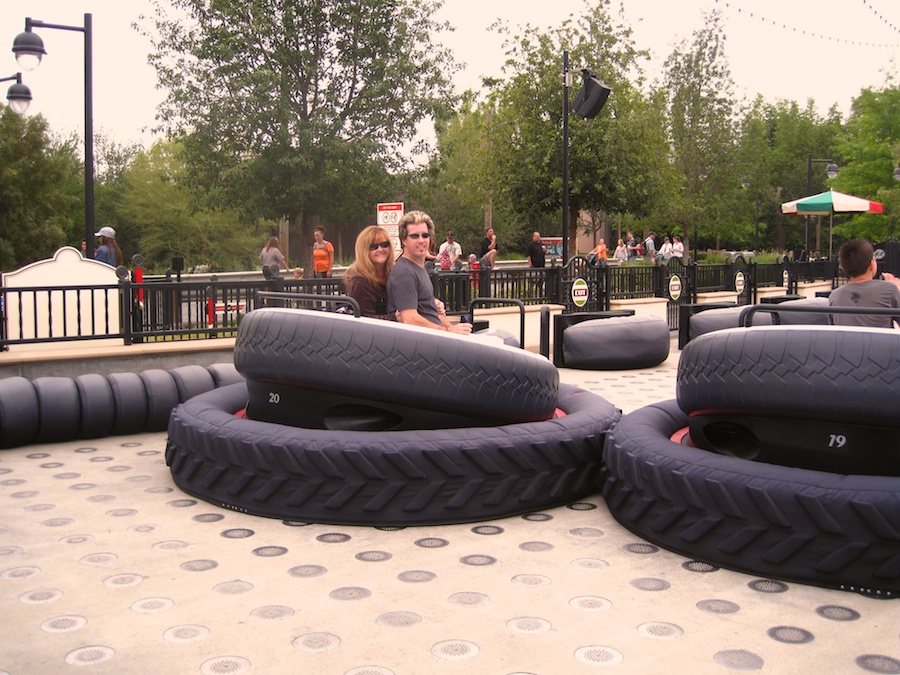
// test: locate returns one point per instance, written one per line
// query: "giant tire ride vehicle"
(388, 478)
(814, 527)
(822, 398)
(386, 362)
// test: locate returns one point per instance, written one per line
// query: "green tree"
(162, 213)
(870, 149)
(613, 158)
(297, 109)
(701, 127)
(795, 134)
(111, 162)
(37, 179)
(453, 186)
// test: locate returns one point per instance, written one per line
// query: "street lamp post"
(831, 171)
(29, 49)
(588, 104)
(567, 82)
(18, 95)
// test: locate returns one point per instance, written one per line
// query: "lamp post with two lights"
(29, 50)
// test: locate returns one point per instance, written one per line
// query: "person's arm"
(455, 253)
(493, 245)
(413, 318)
(330, 250)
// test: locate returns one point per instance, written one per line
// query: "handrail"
(502, 301)
(345, 300)
(747, 313)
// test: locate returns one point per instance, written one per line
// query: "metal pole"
(808, 193)
(30, 24)
(88, 138)
(565, 160)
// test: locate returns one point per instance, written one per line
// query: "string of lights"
(814, 34)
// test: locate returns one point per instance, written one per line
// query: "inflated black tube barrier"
(398, 478)
(814, 527)
(59, 409)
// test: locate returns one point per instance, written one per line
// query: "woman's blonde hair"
(363, 265)
(272, 243)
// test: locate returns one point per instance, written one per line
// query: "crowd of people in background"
(367, 279)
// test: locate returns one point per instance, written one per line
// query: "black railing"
(163, 309)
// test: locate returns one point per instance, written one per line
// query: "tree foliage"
(285, 108)
(37, 177)
(870, 148)
(614, 158)
(158, 205)
(701, 109)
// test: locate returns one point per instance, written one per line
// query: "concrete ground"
(106, 567)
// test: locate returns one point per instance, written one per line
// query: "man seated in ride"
(409, 288)
(857, 259)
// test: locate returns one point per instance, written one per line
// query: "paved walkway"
(106, 567)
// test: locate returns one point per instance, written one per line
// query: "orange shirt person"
(323, 254)
(599, 253)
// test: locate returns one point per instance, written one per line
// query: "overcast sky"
(848, 45)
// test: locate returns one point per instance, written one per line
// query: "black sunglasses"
(375, 247)
(416, 235)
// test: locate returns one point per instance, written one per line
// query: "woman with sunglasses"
(366, 279)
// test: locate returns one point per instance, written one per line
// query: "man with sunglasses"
(409, 288)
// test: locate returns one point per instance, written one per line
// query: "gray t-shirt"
(271, 257)
(409, 287)
(872, 293)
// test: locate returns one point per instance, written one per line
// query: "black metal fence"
(165, 309)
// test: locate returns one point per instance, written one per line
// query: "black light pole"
(567, 82)
(831, 171)
(588, 104)
(29, 49)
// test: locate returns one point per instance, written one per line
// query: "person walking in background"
(857, 260)
(598, 255)
(632, 246)
(677, 247)
(650, 246)
(108, 252)
(665, 251)
(366, 279)
(271, 255)
(450, 253)
(323, 254)
(410, 291)
(621, 253)
(488, 249)
(535, 251)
